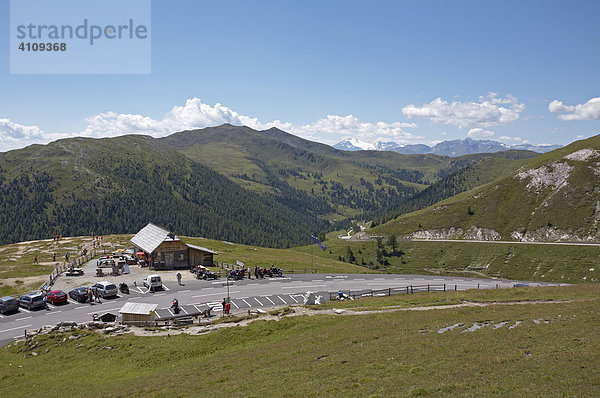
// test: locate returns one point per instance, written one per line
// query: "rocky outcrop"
(473, 233)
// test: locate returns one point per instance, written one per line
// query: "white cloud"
(489, 111)
(512, 140)
(588, 111)
(196, 114)
(480, 133)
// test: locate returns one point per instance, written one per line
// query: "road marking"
(160, 294)
(141, 291)
(293, 298)
(282, 300)
(301, 287)
(1, 316)
(233, 302)
(22, 319)
(56, 312)
(110, 309)
(183, 309)
(317, 280)
(24, 310)
(135, 298)
(247, 303)
(358, 279)
(171, 312)
(196, 307)
(185, 291)
(270, 300)
(261, 304)
(214, 294)
(165, 287)
(11, 329)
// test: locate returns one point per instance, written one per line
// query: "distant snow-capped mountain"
(446, 148)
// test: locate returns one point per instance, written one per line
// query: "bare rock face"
(553, 175)
(473, 233)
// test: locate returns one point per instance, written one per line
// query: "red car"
(57, 297)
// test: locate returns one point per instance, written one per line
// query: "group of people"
(93, 294)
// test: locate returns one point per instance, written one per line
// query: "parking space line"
(1, 316)
(160, 294)
(282, 300)
(135, 298)
(196, 307)
(270, 300)
(165, 287)
(103, 310)
(56, 312)
(292, 297)
(247, 303)
(214, 294)
(185, 291)
(141, 291)
(11, 329)
(24, 310)
(22, 319)
(171, 312)
(261, 304)
(183, 309)
(236, 306)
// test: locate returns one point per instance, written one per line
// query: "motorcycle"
(175, 306)
(124, 288)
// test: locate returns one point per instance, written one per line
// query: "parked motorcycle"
(124, 288)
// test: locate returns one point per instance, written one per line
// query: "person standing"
(53, 257)
(35, 260)
(179, 278)
(249, 273)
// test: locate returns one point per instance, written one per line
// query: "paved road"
(263, 293)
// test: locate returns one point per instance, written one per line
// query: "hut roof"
(138, 308)
(151, 236)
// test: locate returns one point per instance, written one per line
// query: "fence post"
(444, 287)
(428, 287)
(454, 287)
(389, 291)
(496, 286)
(406, 289)
(478, 286)
(411, 289)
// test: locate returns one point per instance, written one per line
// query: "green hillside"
(116, 185)
(532, 262)
(549, 340)
(552, 197)
(316, 178)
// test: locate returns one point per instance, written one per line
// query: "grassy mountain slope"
(78, 186)
(314, 177)
(555, 196)
(549, 341)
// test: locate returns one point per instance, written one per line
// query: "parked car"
(105, 289)
(32, 300)
(8, 304)
(56, 297)
(80, 294)
(153, 282)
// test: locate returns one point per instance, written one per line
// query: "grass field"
(557, 263)
(552, 351)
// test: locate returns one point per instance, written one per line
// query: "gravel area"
(137, 274)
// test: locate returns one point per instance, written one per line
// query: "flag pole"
(312, 256)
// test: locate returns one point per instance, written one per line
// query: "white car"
(105, 289)
(153, 282)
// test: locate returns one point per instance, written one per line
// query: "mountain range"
(238, 184)
(445, 148)
(553, 197)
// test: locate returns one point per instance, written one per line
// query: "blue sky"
(410, 72)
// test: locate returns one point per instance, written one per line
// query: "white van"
(152, 282)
